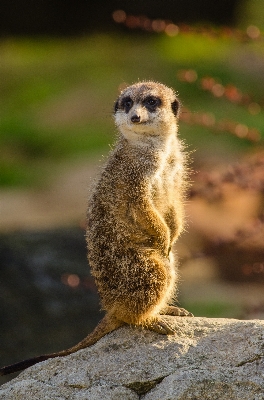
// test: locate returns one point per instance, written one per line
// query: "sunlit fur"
(135, 213)
(134, 216)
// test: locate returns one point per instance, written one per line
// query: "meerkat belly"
(166, 195)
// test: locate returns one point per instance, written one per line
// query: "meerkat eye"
(151, 103)
(127, 104)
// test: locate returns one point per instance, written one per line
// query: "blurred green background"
(56, 94)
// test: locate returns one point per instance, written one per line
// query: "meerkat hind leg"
(176, 311)
(160, 326)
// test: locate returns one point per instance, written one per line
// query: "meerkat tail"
(105, 326)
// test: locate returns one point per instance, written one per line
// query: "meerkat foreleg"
(154, 225)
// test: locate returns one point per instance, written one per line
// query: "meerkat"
(135, 214)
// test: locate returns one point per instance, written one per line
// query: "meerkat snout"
(138, 114)
(135, 118)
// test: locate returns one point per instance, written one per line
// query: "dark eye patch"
(127, 103)
(151, 103)
(116, 106)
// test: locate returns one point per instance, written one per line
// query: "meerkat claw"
(161, 327)
(176, 311)
(183, 313)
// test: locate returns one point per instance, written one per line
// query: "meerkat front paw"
(176, 311)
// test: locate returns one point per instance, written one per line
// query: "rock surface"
(206, 359)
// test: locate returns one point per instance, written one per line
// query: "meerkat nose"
(135, 119)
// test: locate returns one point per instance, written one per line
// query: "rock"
(206, 359)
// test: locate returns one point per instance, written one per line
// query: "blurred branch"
(208, 121)
(169, 28)
(229, 92)
(247, 175)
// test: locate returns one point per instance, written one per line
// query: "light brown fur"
(134, 216)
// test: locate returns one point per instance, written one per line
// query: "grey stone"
(206, 359)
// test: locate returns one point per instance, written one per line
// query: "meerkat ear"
(175, 106)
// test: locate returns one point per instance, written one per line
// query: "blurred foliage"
(214, 309)
(56, 95)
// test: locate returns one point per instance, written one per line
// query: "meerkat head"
(147, 110)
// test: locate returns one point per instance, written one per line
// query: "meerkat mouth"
(138, 123)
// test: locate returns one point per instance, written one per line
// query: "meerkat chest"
(167, 179)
